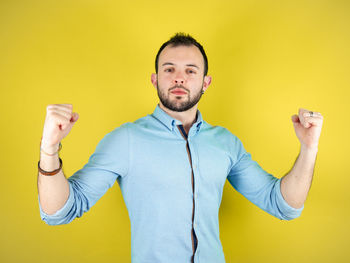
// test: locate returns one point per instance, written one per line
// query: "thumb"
(75, 117)
(296, 122)
(295, 119)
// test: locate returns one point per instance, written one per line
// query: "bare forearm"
(53, 190)
(296, 184)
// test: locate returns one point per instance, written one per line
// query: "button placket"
(188, 148)
(194, 159)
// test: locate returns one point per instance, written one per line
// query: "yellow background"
(267, 59)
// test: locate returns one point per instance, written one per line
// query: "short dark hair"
(181, 39)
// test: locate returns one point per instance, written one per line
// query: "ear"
(154, 79)
(206, 82)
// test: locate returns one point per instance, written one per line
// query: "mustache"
(179, 87)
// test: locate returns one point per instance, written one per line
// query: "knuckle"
(58, 116)
(54, 114)
(68, 107)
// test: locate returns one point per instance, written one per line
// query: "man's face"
(180, 79)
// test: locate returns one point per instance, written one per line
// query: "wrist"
(50, 150)
(309, 149)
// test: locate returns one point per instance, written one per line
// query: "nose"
(179, 78)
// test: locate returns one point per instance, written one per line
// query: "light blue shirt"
(149, 160)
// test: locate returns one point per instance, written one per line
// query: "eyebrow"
(189, 65)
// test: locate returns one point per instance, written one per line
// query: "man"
(171, 166)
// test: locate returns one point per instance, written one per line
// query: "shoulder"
(219, 132)
(117, 138)
(129, 127)
(223, 137)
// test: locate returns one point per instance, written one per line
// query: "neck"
(186, 117)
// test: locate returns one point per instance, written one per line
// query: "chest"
(167, 164)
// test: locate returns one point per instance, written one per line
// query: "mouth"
(178, 92)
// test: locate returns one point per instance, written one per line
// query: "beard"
(179, 103)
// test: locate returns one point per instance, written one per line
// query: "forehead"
(181, 55)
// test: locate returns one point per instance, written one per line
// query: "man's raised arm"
(296, 184)
(54, 189)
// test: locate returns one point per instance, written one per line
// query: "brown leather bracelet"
(50, 173)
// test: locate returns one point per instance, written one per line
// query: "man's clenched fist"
(59, 120)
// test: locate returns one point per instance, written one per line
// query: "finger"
(69, 106)
(65, 114)
(60, 107)
(302, 110)
(303, 113)
(317, 121)
(312, 114)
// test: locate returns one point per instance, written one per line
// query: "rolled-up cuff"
(60, 215)
(287, 212)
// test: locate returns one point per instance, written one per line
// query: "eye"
(191, 71)
(168, 70)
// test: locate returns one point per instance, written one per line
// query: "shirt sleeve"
(258, 186)
(86, 186)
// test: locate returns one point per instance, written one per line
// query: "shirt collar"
(170, 122)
